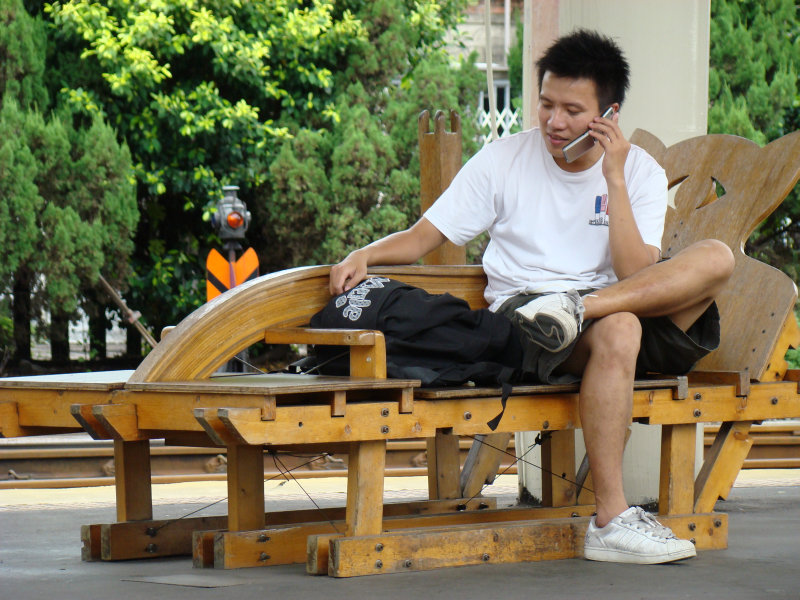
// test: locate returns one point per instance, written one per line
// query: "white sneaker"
(553, 321)
(635, 537)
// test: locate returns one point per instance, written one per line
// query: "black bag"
(437, 339)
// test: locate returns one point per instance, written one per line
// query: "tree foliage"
(67, 203)
(753, 92)
(310, 107)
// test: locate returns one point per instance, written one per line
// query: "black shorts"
(665, 347)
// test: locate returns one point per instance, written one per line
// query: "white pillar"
(667, 46)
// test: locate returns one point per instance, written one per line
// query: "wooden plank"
(276, 384)
(558, 469)
(95, 381)
(444, 462)
(327, 337)
(483, 461)
(364, 488)
(245, 487)
(174, 537)
(425, 549)
(294, 543)
(676, 383)
(739, 379)
(132, 480)
(439, 161)
(722, 464)
(678, 449)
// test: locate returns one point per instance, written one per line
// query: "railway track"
(75, 460)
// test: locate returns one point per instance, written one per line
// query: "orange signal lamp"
(235, 220)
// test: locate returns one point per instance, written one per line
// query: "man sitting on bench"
(574, 262)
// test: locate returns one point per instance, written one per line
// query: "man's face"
(566, 107)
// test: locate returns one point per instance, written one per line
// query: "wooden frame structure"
(172, 395)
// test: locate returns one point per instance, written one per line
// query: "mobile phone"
(584, 142)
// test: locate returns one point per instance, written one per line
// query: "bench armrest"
(367, 348)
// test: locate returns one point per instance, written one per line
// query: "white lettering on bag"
(356, 299)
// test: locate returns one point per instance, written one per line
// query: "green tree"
(307, 106)
(753, 92)
(67, 200)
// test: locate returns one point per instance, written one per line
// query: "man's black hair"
(585, 54)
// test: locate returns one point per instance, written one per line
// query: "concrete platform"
(40, 553)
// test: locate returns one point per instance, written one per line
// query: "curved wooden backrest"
(235, 320)
(727, 186)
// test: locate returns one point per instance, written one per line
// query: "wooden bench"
(173, 395)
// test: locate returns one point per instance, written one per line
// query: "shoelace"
(650, 524)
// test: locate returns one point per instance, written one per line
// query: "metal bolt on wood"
(717, 523)
(546, 425)
(151, 548)
(485, 557)
(698, 396)
(774, 401)
(407, 564)
(467, 416)
(384, 412)
(697, 412)
(263, 538)
(263, 556)
(385, 429)
(692, 526)
(151, 531)
(378, 547)
(378, 564)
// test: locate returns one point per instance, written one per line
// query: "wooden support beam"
(723, 462)
(132, 479)
(364, 489)
(483, 461)
(119, 420)
(789, 338)
(444, 463)
(175, 537)
(9, 421)
(558, 469)
(245, 487)
(520, 541)
(678, 449)
(91, 424)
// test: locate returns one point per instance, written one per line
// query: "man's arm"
(401, 248)
(629, 253)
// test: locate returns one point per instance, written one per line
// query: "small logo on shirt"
(600, 211)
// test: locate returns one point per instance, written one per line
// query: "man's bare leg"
(606, 356)
(680, 288)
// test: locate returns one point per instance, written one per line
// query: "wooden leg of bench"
(722, 465)
(443, 466)
(483, 462)
(677, 469)
(365, 468)
(558, 468)
(245, 487)
(132, 480)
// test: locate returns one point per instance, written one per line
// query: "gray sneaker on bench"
(553, 321)
(635, 537)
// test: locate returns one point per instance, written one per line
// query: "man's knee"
(617, 336)
(717, 259)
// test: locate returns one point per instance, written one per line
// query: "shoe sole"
(548, 331)
(618, 556)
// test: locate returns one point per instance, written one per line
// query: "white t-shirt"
(548, 227)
